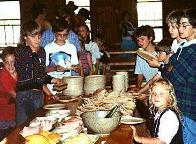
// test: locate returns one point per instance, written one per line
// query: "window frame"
(155, 27)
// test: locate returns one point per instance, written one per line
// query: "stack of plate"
(75, 85)
(126, 78)
(118, 83)
(94, 82)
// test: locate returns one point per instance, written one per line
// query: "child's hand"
(134, 131)
(153, 63)
(60, 68)
(135, 135)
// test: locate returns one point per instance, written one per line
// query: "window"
(82, 4)
(9, 23)
(150, 13)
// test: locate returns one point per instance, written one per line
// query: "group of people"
(43, 56)
(171, 80)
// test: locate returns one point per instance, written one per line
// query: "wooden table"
(122, 135)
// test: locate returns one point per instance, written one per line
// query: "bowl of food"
(97, 122)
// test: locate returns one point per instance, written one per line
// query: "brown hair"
(164, 46)
(8, 51)
(29, 28)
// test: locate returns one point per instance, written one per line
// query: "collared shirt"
(183, 77)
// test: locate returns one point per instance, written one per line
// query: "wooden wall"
(51, 6)
(106, 17)
(106, 14)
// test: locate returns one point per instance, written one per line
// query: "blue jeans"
(27, 103)
(189, 130)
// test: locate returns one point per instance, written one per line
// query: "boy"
(164, 51)
(182, 74)
(61, 56)
(145, 37)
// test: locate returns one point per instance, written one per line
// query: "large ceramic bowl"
(96, 122)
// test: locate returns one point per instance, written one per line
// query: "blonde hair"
(172, 104)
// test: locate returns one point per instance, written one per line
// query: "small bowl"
(96, 122)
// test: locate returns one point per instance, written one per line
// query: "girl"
(167, 126)
(92, 47)
(8, 78)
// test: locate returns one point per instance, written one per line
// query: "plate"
(131, 120)
(67, 99)
(54, 106)
(146, 55)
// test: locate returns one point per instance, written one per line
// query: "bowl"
(96, 122)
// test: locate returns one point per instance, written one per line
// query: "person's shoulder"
(22, 50)
(3, 73)
(140, 59)
(49, 44)
(171, 115)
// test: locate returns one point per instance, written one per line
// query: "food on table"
(104, 100)
(52, 137)
(79, 139)
(73, 123)
(36, 139)
(44, 137)
(30, 131)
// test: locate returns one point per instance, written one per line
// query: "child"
(145, 37)
(104, 56)
(83, 32)
(182, 74)
(8, 79)
(61, 56)
(164, 51)
(85, 60)
(30, 66)
(167, 126)
(171, 21)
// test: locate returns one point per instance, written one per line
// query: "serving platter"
(146, 55)
(54, 106)
(131, 120)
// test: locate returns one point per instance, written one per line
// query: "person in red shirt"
(8, 79)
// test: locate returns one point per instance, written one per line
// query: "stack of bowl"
(126, 78)
(75, 85)
(94, 82)
(118, 83)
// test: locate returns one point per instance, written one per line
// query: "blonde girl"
(167, 126)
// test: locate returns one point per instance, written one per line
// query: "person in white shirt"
(167, 127)
(61, 56)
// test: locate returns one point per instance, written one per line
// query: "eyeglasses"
(61, 35)
(184, 25)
